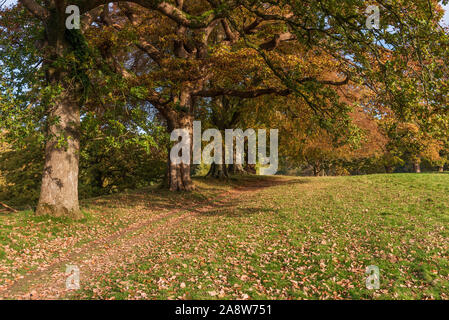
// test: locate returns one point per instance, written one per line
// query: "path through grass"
(282, 238)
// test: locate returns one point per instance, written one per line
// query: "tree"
(408, 142)
(178, 52)
(175, 67)
(65, 60)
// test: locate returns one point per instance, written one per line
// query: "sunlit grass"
(303, 239)
(270, 238)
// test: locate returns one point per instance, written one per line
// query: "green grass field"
(258, 238)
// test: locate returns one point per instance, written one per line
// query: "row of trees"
(95, 105)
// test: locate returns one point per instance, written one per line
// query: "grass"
(296, 238)
(28, 242)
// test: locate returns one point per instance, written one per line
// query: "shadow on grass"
(230, 210)
(231, 207)
(210, 193)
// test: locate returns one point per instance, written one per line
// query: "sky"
(445, 20)
(446, 17)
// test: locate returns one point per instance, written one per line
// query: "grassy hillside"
(283, 238)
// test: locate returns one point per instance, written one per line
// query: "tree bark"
(178, 177)
(250, 169)
(316, 170)
(417, 166)
(218, 171)
(236, 169)
(441, 169)
(59, 190)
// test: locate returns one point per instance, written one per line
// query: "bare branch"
(276, 41)
(8, 207)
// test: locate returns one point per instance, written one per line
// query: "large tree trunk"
(236, 169)
(250, 169)
(59, 190)
(218, 171)
(417, 166)
(316, 170)
(178, 177)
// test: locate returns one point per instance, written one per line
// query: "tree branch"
(211, 93)
(8, 207)
(35, 9)
(251, 29)
(163, 7)
(277, 39)
(326, 82)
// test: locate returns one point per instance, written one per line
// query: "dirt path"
(99, 256)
